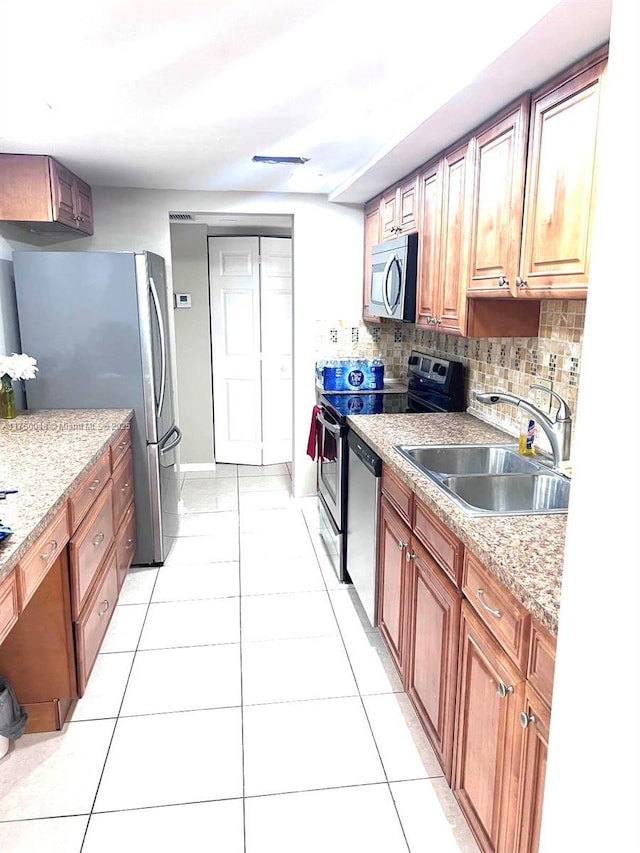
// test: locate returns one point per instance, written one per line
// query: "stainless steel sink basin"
(491, 479)
(469, 459)
(512, 494)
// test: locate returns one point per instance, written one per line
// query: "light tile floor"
(240, 704)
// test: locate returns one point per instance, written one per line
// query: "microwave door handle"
(396, 260)
(385, 284)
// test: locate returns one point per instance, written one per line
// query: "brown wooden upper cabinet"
(399, 209)
(499, 151)
(561, 183)
(42, 195)
(371, 239)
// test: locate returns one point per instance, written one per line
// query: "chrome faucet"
(558, 430)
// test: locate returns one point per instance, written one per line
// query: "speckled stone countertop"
(44, 455)
(525, 553)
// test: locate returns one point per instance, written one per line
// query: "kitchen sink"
(494, 479)
(511, 494)
(469, 459)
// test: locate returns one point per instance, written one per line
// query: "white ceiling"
(158, 94)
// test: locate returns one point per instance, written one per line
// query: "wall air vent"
(299, 161)
(181, 217)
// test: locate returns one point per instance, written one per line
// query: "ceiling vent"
(298, 161)
(181, 217)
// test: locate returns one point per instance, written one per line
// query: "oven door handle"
(334, 429)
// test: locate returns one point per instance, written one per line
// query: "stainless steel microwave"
(394, 272)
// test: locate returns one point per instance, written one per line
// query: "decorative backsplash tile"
(504, 364)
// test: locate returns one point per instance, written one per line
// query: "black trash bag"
(13, 717)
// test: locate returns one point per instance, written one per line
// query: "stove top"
(434, 385)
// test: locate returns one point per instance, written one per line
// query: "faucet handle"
(564, 412)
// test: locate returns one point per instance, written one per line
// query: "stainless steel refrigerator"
(97, 323)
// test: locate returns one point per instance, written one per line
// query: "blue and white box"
(350, 374)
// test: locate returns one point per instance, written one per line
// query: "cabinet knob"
(520, 282)
(503, 282)
(409, 556)
(402, 545)
(526, 719)
(503, 690)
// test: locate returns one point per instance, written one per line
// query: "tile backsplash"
(505, 364)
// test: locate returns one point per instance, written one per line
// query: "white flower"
(18, 366)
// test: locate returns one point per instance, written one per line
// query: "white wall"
(593, 779)
(189, 261)
(327, 267)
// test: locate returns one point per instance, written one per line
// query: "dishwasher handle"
(368, 457)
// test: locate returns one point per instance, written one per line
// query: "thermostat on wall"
(183, 300)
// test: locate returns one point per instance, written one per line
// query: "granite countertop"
(44, 455)
(525, 553)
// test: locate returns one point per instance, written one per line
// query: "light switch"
(182, 300)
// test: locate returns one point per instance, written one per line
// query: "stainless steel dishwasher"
(365, 470)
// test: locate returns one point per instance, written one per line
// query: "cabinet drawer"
(505, 617)
(41, 556)
(8, 605)
(122, 488)
(94, 620)
(446, 548)
(126, 544)
(88, 547)
(119, 445)
(542, 661)
(400, 495)
(88, 490)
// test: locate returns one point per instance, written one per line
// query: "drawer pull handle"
(123, 444)
(98, 539)
(103, 608)
(124, 488)
(503, 690)
(127, 547)
(490, 610)
(526, 719)
(51, 550)
(95, 485)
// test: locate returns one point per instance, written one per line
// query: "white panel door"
(277, 386)
(235, 339)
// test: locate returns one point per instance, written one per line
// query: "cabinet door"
(490, 696)
(432, 651)
(394, 536)
(535, 719)
(407, 212)
(62, 194)
(371, 239)
(389, 214)
(497, 201)
(453, 262)
(83, 206)
(428, 300)
(561, 181)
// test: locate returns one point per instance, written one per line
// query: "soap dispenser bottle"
(527, 436)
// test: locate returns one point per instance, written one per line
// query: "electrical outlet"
(540, 398)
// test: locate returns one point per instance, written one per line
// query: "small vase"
(7, 398)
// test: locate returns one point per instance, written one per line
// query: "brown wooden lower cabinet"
(432, 651)
(37, 656)
(394, 536)
(94, 620)
(490, 696)
(534, 719)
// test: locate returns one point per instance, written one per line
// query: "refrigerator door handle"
(163, 346)
(166, 445)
